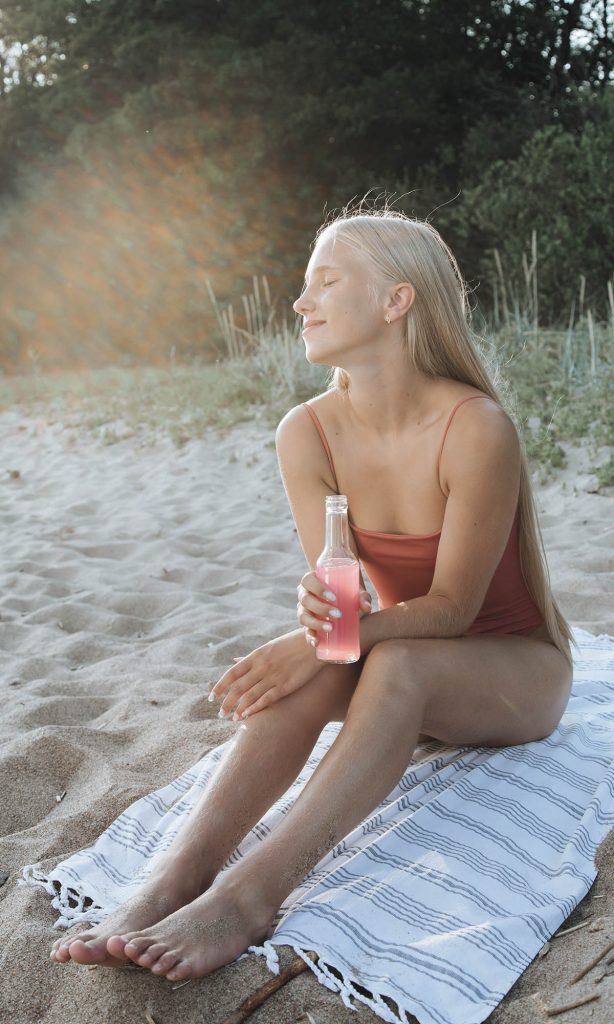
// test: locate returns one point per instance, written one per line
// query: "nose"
(301, 305)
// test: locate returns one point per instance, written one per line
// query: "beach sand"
(131, 576)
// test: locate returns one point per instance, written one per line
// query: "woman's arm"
(279, 667)
(307, 480)
(306, 477)
(480, 472)
(480, 469)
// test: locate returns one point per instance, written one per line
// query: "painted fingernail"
(328, 594)
(221, 714)
(335, 613)
(211, 696)
(327, 627)
(236, 716)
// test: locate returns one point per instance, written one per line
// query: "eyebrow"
(322, 267)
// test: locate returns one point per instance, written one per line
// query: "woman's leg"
(269, 751)
(494, 690)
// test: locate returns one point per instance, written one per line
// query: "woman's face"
(336, 299)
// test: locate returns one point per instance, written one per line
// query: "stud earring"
(387, 318)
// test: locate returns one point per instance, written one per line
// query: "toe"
(152, 954)
(165, 963)
(116, 945)
(60, 950)
(135, 948)
(180, 971)
(87, 952)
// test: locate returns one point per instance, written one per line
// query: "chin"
(311, 357)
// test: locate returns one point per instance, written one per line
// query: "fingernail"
(335, 613)
(327, 627)
(328, 594)
(211, 696)
(236, 717)
(221, 714)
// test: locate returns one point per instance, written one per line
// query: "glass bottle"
(339, 570)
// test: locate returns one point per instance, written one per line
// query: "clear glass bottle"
(339, 570)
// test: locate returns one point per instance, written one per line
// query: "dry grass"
(560, 381)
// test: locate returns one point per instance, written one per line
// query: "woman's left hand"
(272, 671)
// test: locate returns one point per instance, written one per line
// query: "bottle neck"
(337, 534)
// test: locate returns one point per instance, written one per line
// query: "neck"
(388, 406)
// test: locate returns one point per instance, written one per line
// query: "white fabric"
(440, 898)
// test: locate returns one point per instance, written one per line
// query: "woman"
(468, 646)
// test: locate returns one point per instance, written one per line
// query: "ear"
(401, 299)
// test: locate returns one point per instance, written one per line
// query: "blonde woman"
(468, 645)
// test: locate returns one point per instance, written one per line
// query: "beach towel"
(439, 899)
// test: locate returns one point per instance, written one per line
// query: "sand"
(131, 575)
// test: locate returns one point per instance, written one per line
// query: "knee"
(396, 664)
(395, 652)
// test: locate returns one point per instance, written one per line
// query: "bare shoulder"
(482, 437)
(297, 424)
(306, 476)
(326, 403)
(298, 443)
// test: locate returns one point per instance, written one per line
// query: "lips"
(312, 323)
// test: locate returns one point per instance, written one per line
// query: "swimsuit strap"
(457, 406)
(315, 419)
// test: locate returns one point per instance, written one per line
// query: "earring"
(387, 318)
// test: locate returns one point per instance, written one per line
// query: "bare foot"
(202, 936)
(162, 894)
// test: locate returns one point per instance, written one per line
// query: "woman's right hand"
(314, 608)
(274, 670)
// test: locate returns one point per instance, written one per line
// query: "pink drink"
(342, 644)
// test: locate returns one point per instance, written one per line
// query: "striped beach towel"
(438, 901)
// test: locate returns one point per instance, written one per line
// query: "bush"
(554, 202)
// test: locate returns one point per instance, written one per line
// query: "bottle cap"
(336, 503)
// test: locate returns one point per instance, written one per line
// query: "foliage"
(605, 473)
(560, 187)
(148, 144)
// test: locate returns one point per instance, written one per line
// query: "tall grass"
(558, 382)
(560, 379)
(270, 345)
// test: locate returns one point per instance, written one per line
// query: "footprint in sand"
(66, 711)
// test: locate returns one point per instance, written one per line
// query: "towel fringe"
(32, 874)
(267, 950)
(346, 987)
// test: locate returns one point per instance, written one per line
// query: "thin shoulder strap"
(457, 406)
(315, 419)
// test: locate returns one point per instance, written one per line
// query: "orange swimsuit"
(401, 566)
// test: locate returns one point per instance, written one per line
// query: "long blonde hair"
(440, 342)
